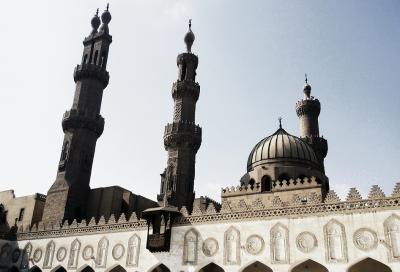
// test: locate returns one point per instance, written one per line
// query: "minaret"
(182, 138)
(82, 125)
(308, 110)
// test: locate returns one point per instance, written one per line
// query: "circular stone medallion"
(61, 254)
(254, 244)
(365, 239)
(118, 251)
(15, 255)
(306, 242)
(87, 253)
(210, 247)
(37, 255)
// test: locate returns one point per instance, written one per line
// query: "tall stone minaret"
(182, 138)
(308, 110)
(82, 125)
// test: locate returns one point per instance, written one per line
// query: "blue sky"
(253, 56)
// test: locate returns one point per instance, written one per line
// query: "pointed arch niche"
(309, 266)
(369, 265)
(257, 267)
(35, 269)
(59, 269)
(86, 268)
(160, 268)
(211, 267)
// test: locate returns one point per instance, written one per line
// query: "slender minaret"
(82, 125)
(182, 138)
(308, 110)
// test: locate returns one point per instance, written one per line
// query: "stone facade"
(282, 217)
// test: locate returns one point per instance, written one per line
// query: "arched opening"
(86, 269)
(118, 268)
(161, 268)
(95, 57)
(369, 265)
(35, 269)
(309, 266)
(211, 267)
(13, 269)
(59, 269)
(257, 267)
(266, 184)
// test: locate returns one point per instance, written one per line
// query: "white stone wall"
(238, 244)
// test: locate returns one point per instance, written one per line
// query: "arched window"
(95, 57)
(257, 267)
(161, 268)
(309, 266)
(86, 269)
(118, 268)
(266, 184)
(60, 269)
(35, 269)
(369, 265)
(212, 267)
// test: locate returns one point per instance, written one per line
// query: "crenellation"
(353, 195)
(332, 197)
(376, 193)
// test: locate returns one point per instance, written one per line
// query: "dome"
(282, 147)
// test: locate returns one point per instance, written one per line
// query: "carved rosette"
(210, 247)
(37, 255)
(61, 254)
(306, 242)
(87, 253)
(118, 251)
(365, 239)
(254, 244)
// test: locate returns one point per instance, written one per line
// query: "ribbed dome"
(279, 147)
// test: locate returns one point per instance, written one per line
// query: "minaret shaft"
(82, 125)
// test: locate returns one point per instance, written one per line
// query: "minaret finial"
(189, 38)
(307, 88)
(280, 121)
(108, 6)
(306, 77)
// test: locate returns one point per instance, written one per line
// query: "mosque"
(282, 216)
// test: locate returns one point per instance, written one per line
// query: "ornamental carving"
(254, 244)
(365, 239)
(306, 242)
(118, 251)
(102, 250)
(335, 242)
(132, 258)
(37, 255)
(61, 254)
(210, 247)
(280, 244)
(392, 233)
(232, 247)
(190, 246)
(87, 253)
(74, 254)
(49, 255)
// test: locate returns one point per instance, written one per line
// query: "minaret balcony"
(308, 106)
(182, 133)
(75, 119)
(186, 87)
(91, 71)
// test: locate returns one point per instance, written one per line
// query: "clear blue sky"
(253, 56)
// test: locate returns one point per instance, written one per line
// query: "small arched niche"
(211, 267)
(86, 268)
(266, 184)
(160, 268)
(309, 266)
(257, 267)
(369, 265)
(59, 269)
